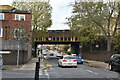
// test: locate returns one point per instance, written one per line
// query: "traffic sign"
(18, 41)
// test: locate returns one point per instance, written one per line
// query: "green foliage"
(66, 47)
(41, 15)
(94, 19)
(21, 32)
(68, 52)
(117, 41)
(5, 7)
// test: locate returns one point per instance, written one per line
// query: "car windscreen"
(69, 57)
(77, 56)
(118, 57)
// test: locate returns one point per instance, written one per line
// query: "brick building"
(11, 19)
(15, 24)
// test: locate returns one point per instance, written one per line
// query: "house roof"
(10, 9)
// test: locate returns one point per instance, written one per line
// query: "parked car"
(114, 63)
(58, 55)
(67, 61)
(1, 61)
(79, 59)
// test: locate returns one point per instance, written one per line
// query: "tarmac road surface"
(82, 72)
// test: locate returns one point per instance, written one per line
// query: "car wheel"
(110, 67)
(58, 65)
(61, 66)
(75, 66)
(82, 63)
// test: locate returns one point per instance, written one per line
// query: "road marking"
(40, 72)
(92, 72)
(46, 73)
(110, 78)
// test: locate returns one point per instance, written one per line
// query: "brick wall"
(11, 23)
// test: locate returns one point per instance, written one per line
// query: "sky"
(60, 11)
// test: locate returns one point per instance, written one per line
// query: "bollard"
(37, 71)
(39, 61)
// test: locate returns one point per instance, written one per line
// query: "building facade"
(15, 29)
(12, 19)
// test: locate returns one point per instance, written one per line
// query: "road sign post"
(18, 54)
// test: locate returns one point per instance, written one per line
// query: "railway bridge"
(59, 37)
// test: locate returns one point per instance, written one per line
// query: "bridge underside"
(74, 45)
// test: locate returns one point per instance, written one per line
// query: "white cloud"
(6, 2)
(61, 10)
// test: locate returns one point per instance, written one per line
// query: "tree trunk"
(108, 45)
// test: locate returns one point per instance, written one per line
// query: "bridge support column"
(75, 48)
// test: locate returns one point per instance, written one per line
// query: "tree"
(41, 15)
(100, 18)
(66, 47)
(117, 42)
(21, 32)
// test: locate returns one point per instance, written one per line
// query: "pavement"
(97, 64)
(29, 66)
(44, 64)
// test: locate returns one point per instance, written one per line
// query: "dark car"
(114, 63)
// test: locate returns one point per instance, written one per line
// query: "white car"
(58, 55)
(67, 61)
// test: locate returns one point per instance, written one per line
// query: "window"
(58, 38)
(51, 54)
(20, 17)
(61, 39)
(1, 16)
(69, 57)
(54, 39)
